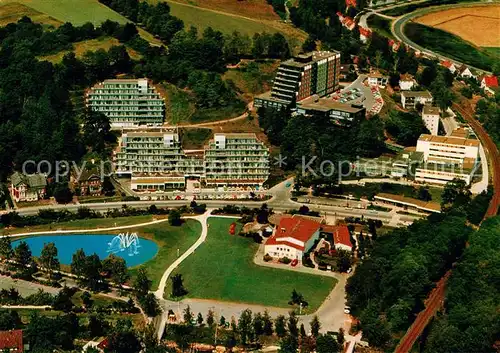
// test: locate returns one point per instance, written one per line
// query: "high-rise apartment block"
(127, 102)
(301, 77)
(155, 160)
(236, 159)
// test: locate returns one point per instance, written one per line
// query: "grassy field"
(253, 78)
(217, 14)
(169, 239)
(492, 51)
(380, 25)
(195, 138)
(448, 44)
(82, 224)
(259, 9)
(222, 268)
(179, 104)
(12, 12)
(235, 109)
(81, 48)
(77, 12)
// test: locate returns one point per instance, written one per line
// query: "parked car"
(294, 263)
(347, 310)
(349, 270)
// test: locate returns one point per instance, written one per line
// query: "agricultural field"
(13, 12)
(448, 44)
(81, 48)
(224, 20)
(222, 268)
(479, 25)
(256, 9)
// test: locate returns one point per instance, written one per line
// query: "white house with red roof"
(340, 235)
(292, 237)
(489, 83)
(346, 21)
(364, 34)
(450, 66)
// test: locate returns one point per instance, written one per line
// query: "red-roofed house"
(450, 66)
(364, 34)
(292, 237)
(489, 83)
(346, 21)
(350, 3)
(11, 341)
(340, 235)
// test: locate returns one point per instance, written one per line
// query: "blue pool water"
(134, 252)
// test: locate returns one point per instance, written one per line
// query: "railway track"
(436, 298)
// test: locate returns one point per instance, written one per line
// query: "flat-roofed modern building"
(236, 159)
(340, 113)
(155, 160)
(127, 102)
(301, 77)
(409, 99)
(430, 116)
(446, 158)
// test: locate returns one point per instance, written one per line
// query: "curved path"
(397, 29)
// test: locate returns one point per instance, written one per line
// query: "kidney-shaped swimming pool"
(130, 247)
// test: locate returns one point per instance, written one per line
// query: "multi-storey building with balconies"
(127, 102)
(301, 77)
(237, 160)
(155, 160)
(446, 158)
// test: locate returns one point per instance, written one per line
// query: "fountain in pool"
(125, 241)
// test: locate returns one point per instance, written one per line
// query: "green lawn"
(222, 268)
(450, 45)
(180, 105)
(83, 224)
(169, 239)
(233, 110)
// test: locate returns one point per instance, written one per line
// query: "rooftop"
(302, 60)
(424, 205)
(429, 110)
(460, 132)
(340, 234)
(31, 180)
(425, 94)
(298, 228)
(325, 105)
(450, 140)
(237, 135)
(11, 341)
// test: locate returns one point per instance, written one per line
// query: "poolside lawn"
(82, 224)
(169, 239)
(222, 268)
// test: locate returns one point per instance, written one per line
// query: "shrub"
(267, 258)
(285, 260)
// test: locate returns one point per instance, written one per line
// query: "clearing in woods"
(79, 48)
(479, 25)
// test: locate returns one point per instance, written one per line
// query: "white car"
(347, 310)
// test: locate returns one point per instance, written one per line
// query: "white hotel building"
(446, 158)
